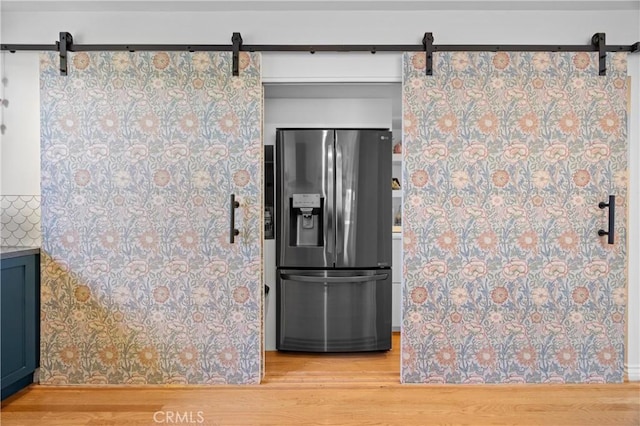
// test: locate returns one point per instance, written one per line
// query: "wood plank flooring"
(378, 368)
(329, 390)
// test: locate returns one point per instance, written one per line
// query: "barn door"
(141, 153)
(507, 157)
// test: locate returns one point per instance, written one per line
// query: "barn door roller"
(65, 45)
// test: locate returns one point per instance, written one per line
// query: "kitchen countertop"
(8, 252)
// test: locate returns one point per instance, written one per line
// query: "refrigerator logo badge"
(306, 200)
(384, 138)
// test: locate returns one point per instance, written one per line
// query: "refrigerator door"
(305, 198)
(363, 198)
(333, 311)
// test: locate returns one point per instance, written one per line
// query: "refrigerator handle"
(314, 279)
(339, 202)
(330, 233)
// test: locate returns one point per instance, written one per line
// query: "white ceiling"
(293, 5)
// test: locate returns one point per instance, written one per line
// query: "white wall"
(20, 167)
(312, 112)
(622, 26)
(633, 231)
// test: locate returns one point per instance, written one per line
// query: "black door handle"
(232, 214)
(612, 218)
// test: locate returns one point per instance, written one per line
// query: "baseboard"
(632, 372)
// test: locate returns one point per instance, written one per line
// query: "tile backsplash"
(20, 224)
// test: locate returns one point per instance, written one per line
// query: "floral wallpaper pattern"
(140, 152)
(506, 157)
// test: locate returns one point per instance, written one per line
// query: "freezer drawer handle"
(233, 232)
(312, 279)
(612, 218)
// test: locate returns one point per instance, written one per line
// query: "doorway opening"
(331, 105)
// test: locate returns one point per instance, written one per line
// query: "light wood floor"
(329, 390)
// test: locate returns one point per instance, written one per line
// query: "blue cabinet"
(20, 316)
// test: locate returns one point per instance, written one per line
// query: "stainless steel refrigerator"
(333, 239)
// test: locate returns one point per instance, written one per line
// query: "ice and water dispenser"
(305, 221)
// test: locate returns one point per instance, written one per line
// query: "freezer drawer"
(333, 311)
